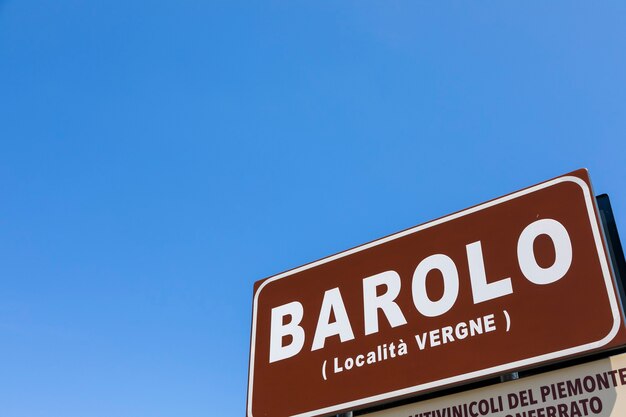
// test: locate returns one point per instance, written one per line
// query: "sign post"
(507, 285)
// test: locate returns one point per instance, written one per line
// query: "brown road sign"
(509, 284)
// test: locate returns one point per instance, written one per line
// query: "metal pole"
(348, 414)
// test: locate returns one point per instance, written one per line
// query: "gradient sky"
(157, 158)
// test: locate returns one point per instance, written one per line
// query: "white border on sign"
(471, 375)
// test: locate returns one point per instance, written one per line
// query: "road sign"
(505, 285)
(595, 388)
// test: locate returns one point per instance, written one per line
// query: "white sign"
(593, 389)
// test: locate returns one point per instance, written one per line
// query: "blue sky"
(157, 158)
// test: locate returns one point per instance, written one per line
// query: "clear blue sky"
(157, 158)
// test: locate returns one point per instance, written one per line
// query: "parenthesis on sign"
(324, 370)
(508, 320)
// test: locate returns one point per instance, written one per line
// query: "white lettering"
(279, 330)
(481, 289)
(332, 302)
(434, 337)
(425, 305)
(562, 248)
(421, 340)
(385, 302)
